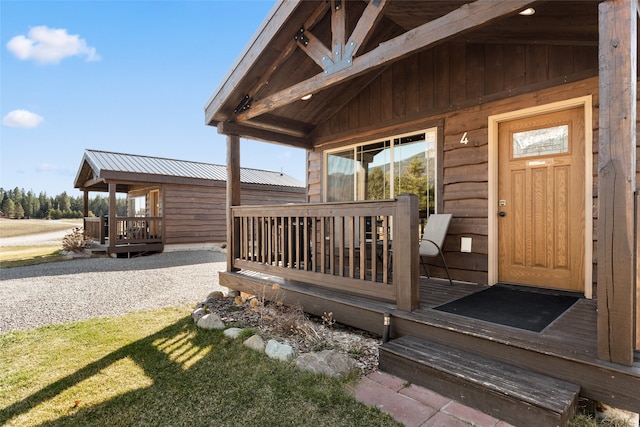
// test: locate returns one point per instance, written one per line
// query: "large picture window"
(385, 168)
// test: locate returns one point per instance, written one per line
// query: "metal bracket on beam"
(300, 37)
(244, 104)
(340, 62)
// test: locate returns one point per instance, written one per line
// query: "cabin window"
(385, 168)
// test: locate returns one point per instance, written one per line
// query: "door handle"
(502, 213)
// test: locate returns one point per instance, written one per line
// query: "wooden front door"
(541, 200)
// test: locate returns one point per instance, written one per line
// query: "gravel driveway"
(79, 289)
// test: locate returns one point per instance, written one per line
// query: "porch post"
(112, 216)
(85, 203)
(233, 197)
(406, 259)
(616, 180)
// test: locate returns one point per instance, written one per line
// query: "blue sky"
(124, 76)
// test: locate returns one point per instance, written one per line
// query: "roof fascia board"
(267, 30)
(138, 178)
(465, 18)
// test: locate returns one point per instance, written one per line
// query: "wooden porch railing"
(94, 229)
(367, 248)
(135, 229)
(130, 229)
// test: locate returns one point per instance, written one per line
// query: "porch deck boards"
(572, 335)
(566, 349)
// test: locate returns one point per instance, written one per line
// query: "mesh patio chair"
(433, 239)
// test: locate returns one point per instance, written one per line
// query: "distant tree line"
(18, 203)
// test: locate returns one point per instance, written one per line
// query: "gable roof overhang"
(334, 49)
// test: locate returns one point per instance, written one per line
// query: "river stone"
(197, 314)
(233, 332)
(276, 350)
(211, 321)
(328, 362)
(255, 342)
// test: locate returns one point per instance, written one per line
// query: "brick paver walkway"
(416, 406)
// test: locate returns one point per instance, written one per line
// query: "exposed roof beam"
(311, 22)
(314, 48)
(338, 28)
(242, 130)
(280, 125)
(370, 17)
(92, 182)
(341, 53)
(465, 18)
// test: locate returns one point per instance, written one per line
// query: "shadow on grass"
(200, 377)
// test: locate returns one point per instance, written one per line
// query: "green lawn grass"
(22, 227)
(19, 256)
(155, 368)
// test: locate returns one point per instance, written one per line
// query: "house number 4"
(464, 139)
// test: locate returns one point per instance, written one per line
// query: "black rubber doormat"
(513, 306)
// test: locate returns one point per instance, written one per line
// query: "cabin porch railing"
(94, 229)
(367, 248)
(136, 229)
(129, 230)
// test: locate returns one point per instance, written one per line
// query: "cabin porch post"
(616, 180)
(112, 216)
(85, 203)
(406, 258)
(233, 198)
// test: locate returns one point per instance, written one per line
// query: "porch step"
(509, 393)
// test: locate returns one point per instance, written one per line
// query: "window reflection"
(385, 169)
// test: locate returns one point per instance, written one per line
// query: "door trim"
(493, 122)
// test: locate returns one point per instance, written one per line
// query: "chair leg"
(424, 265)
(446, 268)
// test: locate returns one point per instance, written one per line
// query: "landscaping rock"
(276, 350)
(328, 362)
(215, 295)
(233, 332)
(197, 314)
(255, 342)
(211, 321)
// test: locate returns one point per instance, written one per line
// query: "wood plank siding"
(197, 214)
(430, 88)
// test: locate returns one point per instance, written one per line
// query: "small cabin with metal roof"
(171, 204)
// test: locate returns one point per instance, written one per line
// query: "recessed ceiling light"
(528, 11)
(307, 97)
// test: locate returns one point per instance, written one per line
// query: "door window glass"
(541, 142)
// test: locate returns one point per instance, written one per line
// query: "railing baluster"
(363, 248)
(322, 240)
(352, 242)
(340, 221)
(385, 249)
(332, 245)
(305, 231)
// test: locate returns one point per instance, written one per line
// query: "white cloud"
(49, 168)
(21, 119)
(50, 45)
